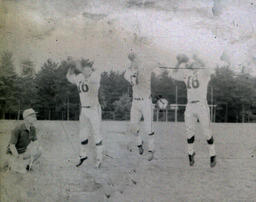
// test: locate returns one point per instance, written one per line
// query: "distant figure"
(196, 77)
(23, 146)
(87, 81)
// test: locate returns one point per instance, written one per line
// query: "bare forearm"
(176, 74)
(14, 150)
(128, 74)
(70, 75)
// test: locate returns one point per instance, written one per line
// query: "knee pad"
(99, 143)
(84, 142)
(210, 141)
(191, 140)
(151, 134)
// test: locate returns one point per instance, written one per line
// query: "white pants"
(32, 152)
(195, 111)
(90, 122)
(142, 107)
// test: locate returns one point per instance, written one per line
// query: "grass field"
(127, 176)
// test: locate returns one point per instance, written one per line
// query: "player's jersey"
(196, 82)
(88, 89)
(140, 81)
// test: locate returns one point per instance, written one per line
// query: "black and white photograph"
(127, 100)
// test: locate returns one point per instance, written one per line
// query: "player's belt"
(86, 107)
(138, 98)
(194, 101)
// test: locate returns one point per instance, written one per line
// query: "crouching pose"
(23, 149)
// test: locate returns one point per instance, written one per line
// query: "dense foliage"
(49, 92)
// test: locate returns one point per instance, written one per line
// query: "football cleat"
(191, 159)
(81, 161)
(141, 150)
(212, 161)
(150, 155)
(98, 164)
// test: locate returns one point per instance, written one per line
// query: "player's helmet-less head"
(132, 56)
(182, 58)
(87, 64)
(83, 65)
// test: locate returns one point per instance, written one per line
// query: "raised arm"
(128, 74)
(177, 74)
(208, 72)
(71, 75)
(96, 77)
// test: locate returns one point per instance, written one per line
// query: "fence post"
(18, 118)
(243, 113)
(211, 104)
(114, 116)
(68, 108)
(49, 114)
(215, 113)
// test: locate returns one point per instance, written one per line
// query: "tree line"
(54, 98)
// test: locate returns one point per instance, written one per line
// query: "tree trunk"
(68, 109)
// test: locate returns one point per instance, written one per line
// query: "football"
(162, 103)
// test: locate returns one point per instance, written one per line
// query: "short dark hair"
(131, 56)
(86, 63)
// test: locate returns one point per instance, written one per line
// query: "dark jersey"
(21, 137)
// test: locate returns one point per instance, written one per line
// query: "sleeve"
(212, 71)
(14, 136)
(208, 72)
(127, 75)
(158, 71)
(71, 77)
(33, 132)
(95, 77)
(177, 75)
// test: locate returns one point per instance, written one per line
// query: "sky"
(107, 30)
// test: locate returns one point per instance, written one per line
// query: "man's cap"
(28, 112)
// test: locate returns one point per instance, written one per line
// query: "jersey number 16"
(192, 82)
(83, 87)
